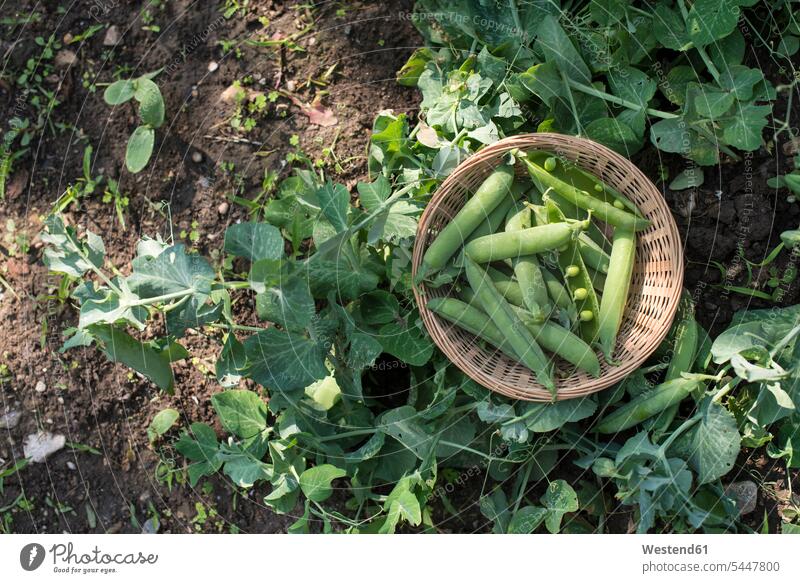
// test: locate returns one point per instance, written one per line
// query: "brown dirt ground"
(96, 404)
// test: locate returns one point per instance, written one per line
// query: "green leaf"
(140, 148)
(401, 503)
(243, 413)
(711, 20)
(713, 104)
(740, 81)
(379, 307)
(172, 271)
(558, 48)
(254, 241)
(120, 346)
(559, 499)
(526, 520)
(364, 349)
(68, 254)
(670, 29)
(200, 446)
(161, 423)
(403, 424)
(316, 482)
(367, 451)
(347, 278)
(746, 125)
(334, 201)
(405, 342)
(689, 178)
(542, 80)
(289, 305)
(712, 446)
(232, 362)
(615, 134)
(284, 361)
(542, 417)
(241, 467)
(151, 104)
(119, 92)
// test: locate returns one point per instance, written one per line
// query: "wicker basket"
(655, 288)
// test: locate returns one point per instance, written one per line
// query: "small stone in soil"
(745, 493)
(72, 466)
(10, 419)
(112, 36)
(38, 446)
(40, 387)
(213, 66)
(197, 157)
(223, 208)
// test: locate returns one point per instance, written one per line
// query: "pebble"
(312, 41)
(112, 36)
(40, 387)
(745, 493)
(223, 208)
(10, 419)
(290, 85)
(68, 38)
(65, 58)
(213, 66)
(197, 157)
(72, 466)
(38, 446)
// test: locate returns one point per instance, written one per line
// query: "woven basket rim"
(661, 277)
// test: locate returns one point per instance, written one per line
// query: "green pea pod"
(472, 320)
(512, 244)
(562, 342)
(593, 255)
(601, 210)
(556, 290)
(527, 270)
(502, 314)
(683, 357)
(577, 278)
(647, 404)
(494, 221)
(549, 335)
(573, 174)
(467, 295)
(615, 293)
(598, 279)
(487, 197)
(574, 212)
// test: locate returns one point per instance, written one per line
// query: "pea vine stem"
(619, 101)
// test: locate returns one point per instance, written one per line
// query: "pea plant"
(151, 112)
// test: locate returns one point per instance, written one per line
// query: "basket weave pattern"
(655, 287)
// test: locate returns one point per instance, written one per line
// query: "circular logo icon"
(31, 556)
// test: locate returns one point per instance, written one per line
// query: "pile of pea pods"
(545, 264)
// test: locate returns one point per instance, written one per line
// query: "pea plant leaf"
(199, 445)
(712, 445)
(316, 482)
(151, 104)
(254, 241)
(67, 253)
(558, 500)
(711, 20)
(161, 423)
(284, 361)
(140, 148)
(119, 346)
(119, 92)
(334, 201)
(241, 412)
